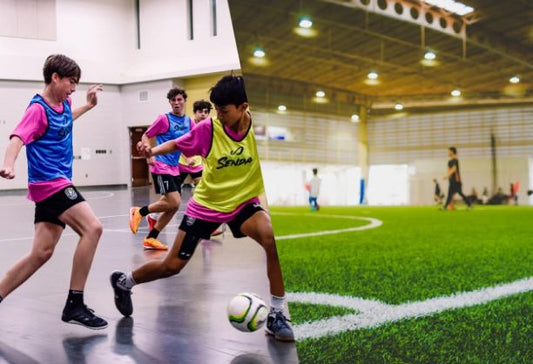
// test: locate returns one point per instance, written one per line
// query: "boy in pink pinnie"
(46, 131)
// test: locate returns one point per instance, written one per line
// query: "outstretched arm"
(12, 152)
(92, 100)
(147, 151)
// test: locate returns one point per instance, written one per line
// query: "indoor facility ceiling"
(476, 54)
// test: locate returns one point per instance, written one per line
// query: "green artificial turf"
(303, 312)
(418, 253)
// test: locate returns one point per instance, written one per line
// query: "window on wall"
(32, 19)
(190, 13)
(213, 17)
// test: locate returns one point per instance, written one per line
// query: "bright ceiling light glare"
(372, 78)
(305, 27)
(452, 6)
(259, 53)
(355, 118)
(305, 22)
(456, 93)
(514, 79)
(429, 59)
(372, 75)
(430, 55)
(282, 108)
(398, 106)
(320, 94)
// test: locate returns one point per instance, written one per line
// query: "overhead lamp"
(452, 6)
(514, 79)
(320, 93)
(398, 106)
(259, 52)
(456, 92)
(430, 55)
(372, 75)
(355, 118)
(282, 108)
(305, 22)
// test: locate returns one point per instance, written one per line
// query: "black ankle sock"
(74, 299)
(144, 211)
(154, 233)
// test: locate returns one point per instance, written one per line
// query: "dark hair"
(200, 105)
(453, 150)
(63, 66)
(173, 92)
(315, 171)
(229, 90)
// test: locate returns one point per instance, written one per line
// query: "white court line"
(375, 313)
(374, 223)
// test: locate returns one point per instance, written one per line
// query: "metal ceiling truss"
(417, 12)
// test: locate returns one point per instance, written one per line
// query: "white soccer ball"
(247, 312)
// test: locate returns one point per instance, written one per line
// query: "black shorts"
(48, 210)
(193, 175)
(204, 229)
(166, 183)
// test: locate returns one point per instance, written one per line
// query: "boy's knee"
(43, 255)
(96, 228)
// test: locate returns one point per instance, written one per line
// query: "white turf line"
(374, 313)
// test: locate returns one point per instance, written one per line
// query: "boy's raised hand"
(92, 91)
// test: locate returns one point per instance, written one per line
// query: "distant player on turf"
(314, 189)
(46, 131)
(164, 169)
(437, 195)
(227, 193)
(454, 178)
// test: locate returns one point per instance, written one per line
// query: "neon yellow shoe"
(135, 219)
(154, 244)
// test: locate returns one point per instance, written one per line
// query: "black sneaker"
(278, 326)
(122, 294)
(83, 316)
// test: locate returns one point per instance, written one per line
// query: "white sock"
(278, 304)
(128, 282)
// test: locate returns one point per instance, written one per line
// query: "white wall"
(101, 128)
(285, 183)
(101, 36)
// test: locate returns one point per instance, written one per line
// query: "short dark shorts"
(49, 209)
(203, 228)
(166, 183)
(193, 175)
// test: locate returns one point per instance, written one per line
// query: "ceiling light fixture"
(452, 6)
(282, 108)
(355, 118)
(305, 22)
(430, 55)
(456, 92)
(398, 106)
(372, 75)
(514, 79)
(259, 52)
(320, 93)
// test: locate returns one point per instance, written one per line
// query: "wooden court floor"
(181, 319)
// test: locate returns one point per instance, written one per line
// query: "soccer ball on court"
(247, 312)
